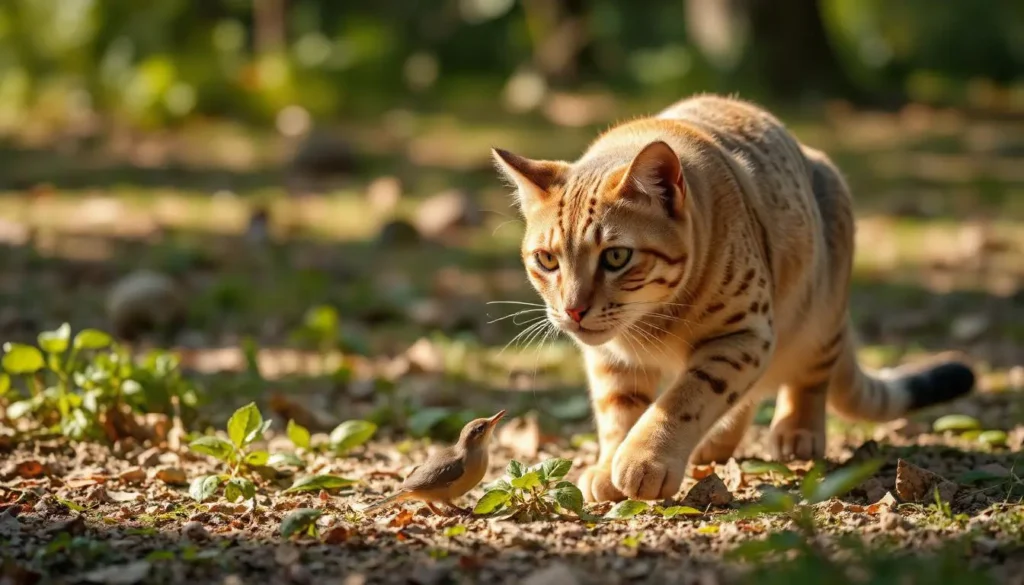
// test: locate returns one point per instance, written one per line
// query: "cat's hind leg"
(798, 426)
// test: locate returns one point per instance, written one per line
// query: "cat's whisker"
(516, 314)
(538, 322)
(516, 303)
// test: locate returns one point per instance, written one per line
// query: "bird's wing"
(429, 475)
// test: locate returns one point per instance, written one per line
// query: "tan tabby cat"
(705, 247)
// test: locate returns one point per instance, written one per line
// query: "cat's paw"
(788, 442)
(596, 485)
(643, 474)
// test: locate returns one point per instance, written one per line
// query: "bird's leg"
(457, 509)
(437, 511)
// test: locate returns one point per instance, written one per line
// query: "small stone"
(132, 475)
(171, 475)
(710, 491)
(195, 531)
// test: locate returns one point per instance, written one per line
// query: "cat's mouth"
(591, 336)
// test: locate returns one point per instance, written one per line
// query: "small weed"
(533, 493)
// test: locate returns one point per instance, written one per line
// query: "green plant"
(629, 508)
(301, 522)
(534, 493)
(245, 426)
(345, 437)
(74, 385)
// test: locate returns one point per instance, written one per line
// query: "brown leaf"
(887, 502)
(30, 469)
(522, 435)
(132, 475)
(701, 471)
(171, 475)
(402, 519)
(710, 491)
(914, 484)
(337, 534)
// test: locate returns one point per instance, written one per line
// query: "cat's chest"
(662, 356)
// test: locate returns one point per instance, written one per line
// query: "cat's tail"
(888, 395)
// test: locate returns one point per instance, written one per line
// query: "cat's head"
(607, 238)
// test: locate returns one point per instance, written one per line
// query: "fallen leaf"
(914, 484)
(30, 469)
(337, 534)
(120, 574)
(887, 502)
(171, 475)
(402, 519)
(733, 475)
(710, 491)
(701, 471)
(124, 497)
(132, 475)
(521, 435)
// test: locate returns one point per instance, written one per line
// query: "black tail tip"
(938, 384)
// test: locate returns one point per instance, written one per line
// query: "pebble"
(171, 475)
(132, 475)
(194, 531)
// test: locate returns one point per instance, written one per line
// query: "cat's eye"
(546, 260)
(615, 258)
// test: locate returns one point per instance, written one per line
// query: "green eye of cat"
(546, 260)
(615, 258)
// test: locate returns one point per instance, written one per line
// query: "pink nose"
(577, 313)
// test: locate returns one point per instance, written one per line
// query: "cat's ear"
(534, 179)
(656, 175)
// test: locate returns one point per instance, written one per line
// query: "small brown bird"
(449, 473)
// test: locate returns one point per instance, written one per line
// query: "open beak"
(493, 421)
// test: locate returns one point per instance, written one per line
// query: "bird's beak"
(493, 421)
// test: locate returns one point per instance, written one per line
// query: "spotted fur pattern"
(740, 244)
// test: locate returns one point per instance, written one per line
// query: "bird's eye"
(546, 260)
(615, 258)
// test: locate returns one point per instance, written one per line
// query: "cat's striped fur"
(738, 244)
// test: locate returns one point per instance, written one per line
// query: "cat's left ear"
(534, 179)
(655, 174)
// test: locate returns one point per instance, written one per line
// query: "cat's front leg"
(651, 462)
(620, 394)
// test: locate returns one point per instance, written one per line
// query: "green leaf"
(528, 481)
(457, 530)
(811, 481)
(755, 467)
(843, 480)
(203, 487)
(214, 447)
(243, 422)
(285, 459)
(491, 501)
(5, 384)
(421, 422)
(514, 469)
(627, 509)
(239, 488)
(674, 511)
(92, 339)
(498, 484)
(351, 434)
(553, 469)
(991, 438)
(298, 435)
(956, 422)
(319, 482)
(302, 520)
(22, 359)
(256, 458)
(632, 540)
(568, 496)
(55, 341)
(21, 408)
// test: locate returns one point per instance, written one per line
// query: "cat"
(707, 248)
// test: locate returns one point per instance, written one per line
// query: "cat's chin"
(592, 337)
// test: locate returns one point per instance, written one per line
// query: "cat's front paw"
(645, 474)
(596, 485)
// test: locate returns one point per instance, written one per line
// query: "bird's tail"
(392, 499)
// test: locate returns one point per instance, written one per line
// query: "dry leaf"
(337, 534)
(132, 475)
(699, 472)
(733, 475)
(887, 502)
(124, 497)
(402, 519)
(171, 475)
(914, 484)
(710, 491)
(521, 435)
(30, 469)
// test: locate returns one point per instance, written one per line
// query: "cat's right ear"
(534, 179)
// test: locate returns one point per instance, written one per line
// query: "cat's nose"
(577, 313)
